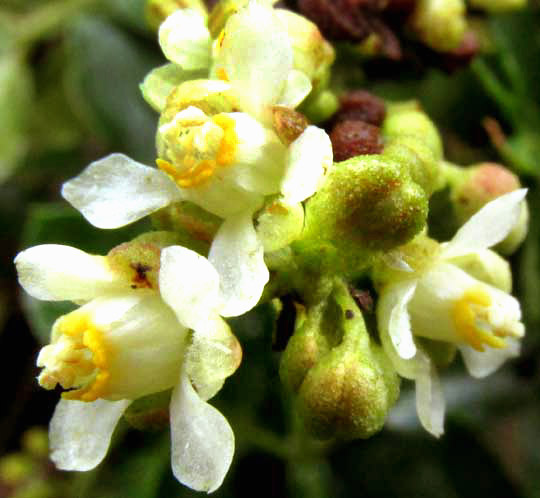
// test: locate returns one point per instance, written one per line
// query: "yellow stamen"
(195, 173)
(222, 74)
(82, 335)
(469, 310)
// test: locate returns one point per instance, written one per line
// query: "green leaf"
(104, 68)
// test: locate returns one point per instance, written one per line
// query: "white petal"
(159, 82)
(310, 157)
(481, 364)
(202, 441)
(394, 300)
(260, 156)
(213, 355)
(296, 89)
(257, 57)
(185, 39)
(429, 397)
(488, 226)
(55, 273)
(117, 190)
(80, 433)
(189, 284)
(238, 256)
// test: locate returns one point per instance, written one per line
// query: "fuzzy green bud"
(407, 119)
(440, 24)
(367, 204)
(156, 11)
(422, 163)
(471, 188)
(498, 5)
(278, 224)
(344, 383)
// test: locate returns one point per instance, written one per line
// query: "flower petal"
(430, 402)
(310, 157)
(257, 57)
(55, 273)
(238, 256)
(159, 82)
(481, 364)
(185, 39)
(202, 441)
(296, 89)
(213, 355)
(80, 432)
(189, 284)
(488, 226)
(117, 190)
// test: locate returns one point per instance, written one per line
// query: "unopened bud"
(367, 204)
(476, 186)
(440, 24)
(348, 394)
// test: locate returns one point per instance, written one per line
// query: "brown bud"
(288, 123)
(360, 105)
(355, 138)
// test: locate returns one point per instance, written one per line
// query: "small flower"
(253, 55)
(129, 340)
(442, 302)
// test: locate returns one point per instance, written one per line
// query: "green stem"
(48, 18)
(495, 89)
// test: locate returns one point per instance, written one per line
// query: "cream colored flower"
(127, 341)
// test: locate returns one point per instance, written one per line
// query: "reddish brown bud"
(355, 138)
(360, 105)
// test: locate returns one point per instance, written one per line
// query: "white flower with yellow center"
(253, 56)
(443, 302)
(127, 341)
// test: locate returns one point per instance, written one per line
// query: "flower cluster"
(251, 208)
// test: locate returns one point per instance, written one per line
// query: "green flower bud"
(345, 385)
(278, 224)
(367, 204)
(348, 394)
(423, 166)
(16, 468)
(471, 188)
(498, 5)
(407, 119)
(312, 54)
(320, 106)
(440, 24)
(36, 442)
(156, 11)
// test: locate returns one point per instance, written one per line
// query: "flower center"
(480, 323)
(195, 157)
(77, 360)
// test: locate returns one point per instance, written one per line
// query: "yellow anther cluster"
(471, 317)
(79, 358)
(193, 173)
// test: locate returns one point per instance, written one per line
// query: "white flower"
(125, 342)
(253, 55)
(444, 303)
